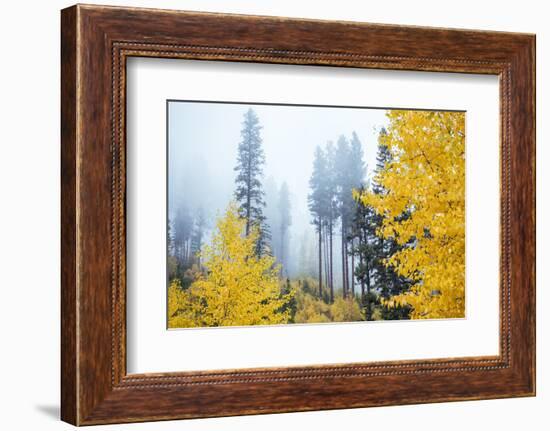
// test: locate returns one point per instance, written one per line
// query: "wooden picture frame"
(95, 43)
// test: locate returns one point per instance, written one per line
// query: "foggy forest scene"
(281, 214)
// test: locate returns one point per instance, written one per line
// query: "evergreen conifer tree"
(249, 193)
(372, 251)
(332, 210)
(317, 203)
(356, 171)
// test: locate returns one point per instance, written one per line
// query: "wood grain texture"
(96, 41)
(69, 397)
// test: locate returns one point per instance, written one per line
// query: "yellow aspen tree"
(426, 180)
(346, 310)
(179, 309)
(239, 287)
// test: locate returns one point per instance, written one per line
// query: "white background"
(29, 228)
(153, 349)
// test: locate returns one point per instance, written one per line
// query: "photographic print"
(299, 214)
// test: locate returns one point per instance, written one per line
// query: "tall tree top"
(383, 157)
(250, 156)
(249, 192)
(318, 185)
(250, 160)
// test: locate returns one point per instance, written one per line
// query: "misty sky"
(203, 142)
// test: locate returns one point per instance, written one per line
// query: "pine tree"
(285, 221)
(383, 156)
(373, 250)
(390, 282)
(332, 210)
(356, 170)
(317, 204)
(349, 173)
(249, 193)
(344, 182)
(364, 229)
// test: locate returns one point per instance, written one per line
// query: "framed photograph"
(265, 214)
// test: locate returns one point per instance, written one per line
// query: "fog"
(202, 148)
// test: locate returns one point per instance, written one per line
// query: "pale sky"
(204, 137)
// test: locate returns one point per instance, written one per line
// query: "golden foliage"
(426, 180)
(238, 288)
(178, 304)
(346, 310)
(312, 309)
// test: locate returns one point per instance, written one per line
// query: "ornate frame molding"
(96, 41)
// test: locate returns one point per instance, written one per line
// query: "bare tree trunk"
(343, 263)
(368, 278)
(346, 263)
(185, 252)
(348, 267)
(330, 265)
(248, 187)
(282, 252)
(361, 265)
(320, 259)
(368, 291)
(352, 268)
(327, 266)
(325, 244)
